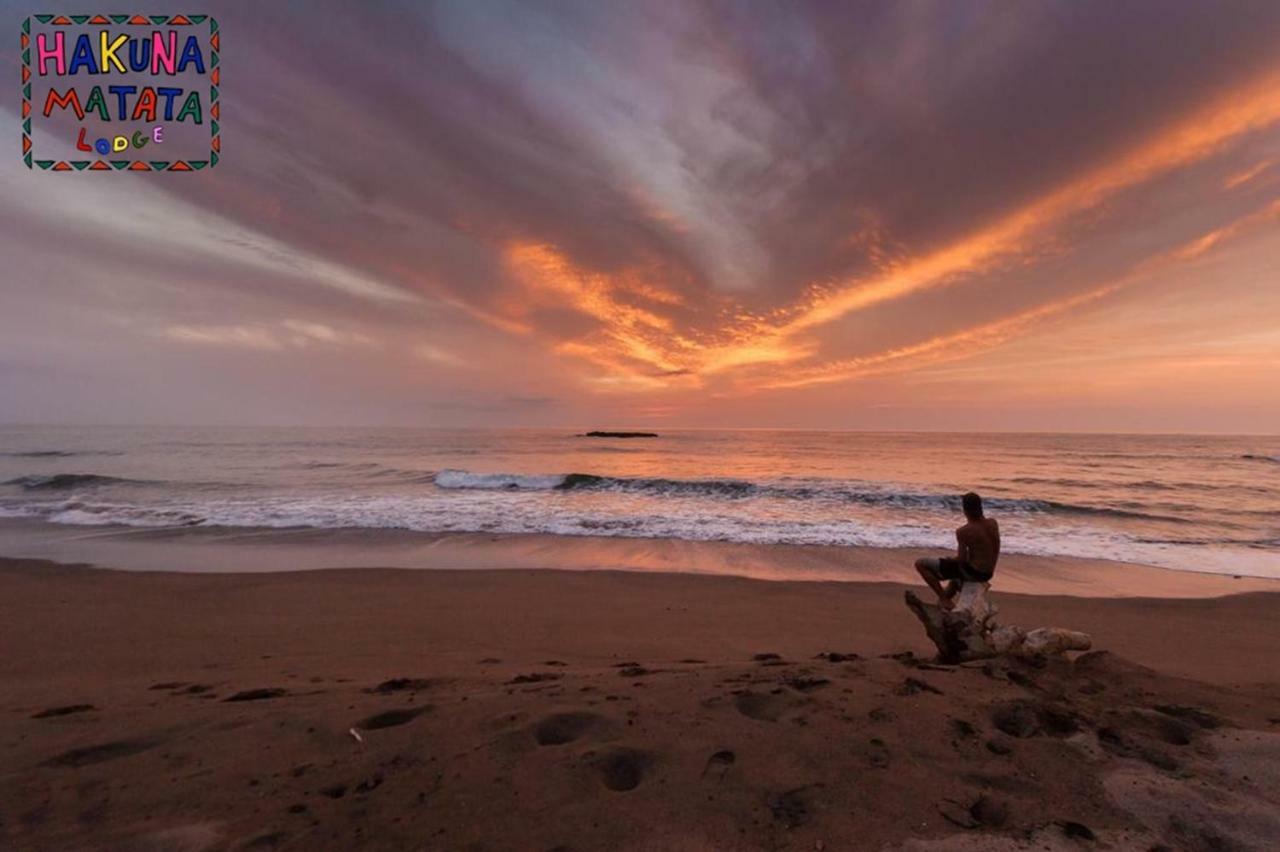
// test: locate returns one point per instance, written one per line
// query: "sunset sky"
(953, 215)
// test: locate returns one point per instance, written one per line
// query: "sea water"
(1188, 502)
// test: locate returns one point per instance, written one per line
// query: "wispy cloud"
(286, 334)
(663, 207)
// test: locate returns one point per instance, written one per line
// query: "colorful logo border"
(215, 109)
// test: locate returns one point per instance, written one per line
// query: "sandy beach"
(592, 427)
(535, 709)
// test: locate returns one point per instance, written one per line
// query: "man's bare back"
(979, 544)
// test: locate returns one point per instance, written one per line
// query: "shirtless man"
(975, 560)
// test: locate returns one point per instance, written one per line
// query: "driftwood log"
(969, 630)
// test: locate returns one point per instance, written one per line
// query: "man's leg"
(930, 571)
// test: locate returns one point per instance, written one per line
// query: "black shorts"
(950, 568)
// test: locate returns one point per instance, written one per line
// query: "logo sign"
(106, 93)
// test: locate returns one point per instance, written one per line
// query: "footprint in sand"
(837, 657)
(790, 808)
(1076, 830)
(983, 812)
(1143, 734)
(805, 684)
(1016, 718)
(718, 764)
(535, 677)
(268, 841)
(990, 812)
(622, 769)
(54, 712)
(258, 694)
(1024, 718)
(392, 718)
(1000, 746)
(877, 753)
(89, 755)
(401, 684)
(766, 706)
(562, 728)
(915, 686)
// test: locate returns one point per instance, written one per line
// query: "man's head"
(972, 505)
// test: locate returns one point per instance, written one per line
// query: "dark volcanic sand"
(543, 710)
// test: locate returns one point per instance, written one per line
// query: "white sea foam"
(504, 512)
(496, 481)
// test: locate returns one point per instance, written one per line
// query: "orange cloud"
(637, 343)
(1197, 247)
(1241, 178)
(977, 339)
(631, 342)
(1192, 139)
(946, 347)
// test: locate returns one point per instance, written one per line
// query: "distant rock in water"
(598, 434)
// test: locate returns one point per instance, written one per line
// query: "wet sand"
(238, 549)
(533, 709)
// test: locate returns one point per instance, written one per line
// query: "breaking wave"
(65, 481)
(735, 489)
(57, 454)
(462, 479)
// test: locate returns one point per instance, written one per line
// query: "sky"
(998, 216)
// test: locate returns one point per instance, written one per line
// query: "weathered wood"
(969, 631)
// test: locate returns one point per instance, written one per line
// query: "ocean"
(1186, 502)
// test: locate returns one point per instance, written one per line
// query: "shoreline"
(254, 550)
